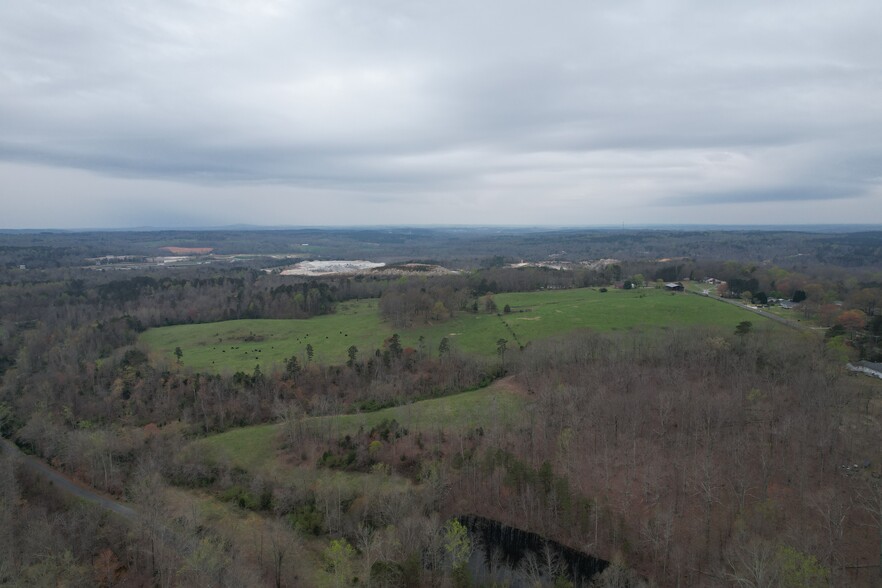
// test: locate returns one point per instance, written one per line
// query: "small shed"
(674, 286)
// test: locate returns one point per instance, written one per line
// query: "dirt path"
(64, 483)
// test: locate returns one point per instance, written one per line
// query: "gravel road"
(64, 483)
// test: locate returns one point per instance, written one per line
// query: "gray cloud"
(508, 111)
(770, 194)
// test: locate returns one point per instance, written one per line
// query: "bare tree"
(148, 496)
(833, 508)
(707, 488)
(751, 564)
(870, 500)
(9, 506)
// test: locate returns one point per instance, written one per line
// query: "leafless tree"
(751, 564)
(833, 507)
(870, 500)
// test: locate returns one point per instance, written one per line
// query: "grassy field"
(795, 315)
(254, 447)
(240, 345)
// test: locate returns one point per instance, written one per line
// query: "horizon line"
(623, 226)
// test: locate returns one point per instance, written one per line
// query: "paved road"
(65, 484)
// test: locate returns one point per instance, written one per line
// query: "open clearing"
(188, 250)
(322, 268)
(240, 345)
(255, 447)
(243, 344)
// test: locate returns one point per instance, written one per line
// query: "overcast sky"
(326, 112)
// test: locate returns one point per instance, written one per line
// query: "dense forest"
(680, 456)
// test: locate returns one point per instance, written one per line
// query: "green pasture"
(240, 345)
(795, 315)
(543, 314)
(254, 447)
(246, 447)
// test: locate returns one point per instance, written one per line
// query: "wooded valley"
(341, 430)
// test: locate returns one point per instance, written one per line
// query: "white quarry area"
(344, 266)
(591, 264)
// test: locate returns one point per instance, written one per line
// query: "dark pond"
(507, 556)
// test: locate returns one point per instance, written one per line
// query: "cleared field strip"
(243, 344)
(250, 447)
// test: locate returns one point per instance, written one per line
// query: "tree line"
(684, 454)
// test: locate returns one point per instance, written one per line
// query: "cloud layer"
(328, 111)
